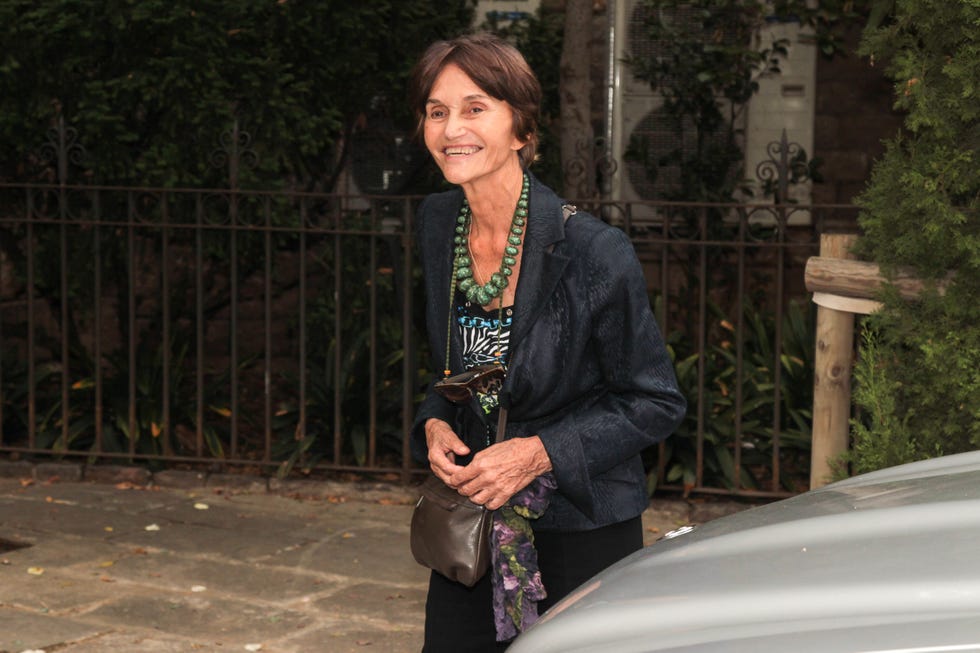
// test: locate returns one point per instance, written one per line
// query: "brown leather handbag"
(450, 534)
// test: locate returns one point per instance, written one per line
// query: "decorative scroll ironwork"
(786, 165)
(234, 152)
(61, 149)
(590, 170)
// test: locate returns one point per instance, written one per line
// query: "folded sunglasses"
(483, 379)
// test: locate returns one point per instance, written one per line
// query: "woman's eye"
(436, 114)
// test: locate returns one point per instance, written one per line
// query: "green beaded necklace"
(463, 263)
(462, 274)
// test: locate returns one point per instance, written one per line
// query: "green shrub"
(919, 370)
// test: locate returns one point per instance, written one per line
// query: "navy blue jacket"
(588, 369)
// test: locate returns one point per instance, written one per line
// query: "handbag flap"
(438, 492)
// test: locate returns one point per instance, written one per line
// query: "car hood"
(887, 561)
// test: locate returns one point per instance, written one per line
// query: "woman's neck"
(492, 205)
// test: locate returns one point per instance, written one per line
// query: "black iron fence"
(282, 331)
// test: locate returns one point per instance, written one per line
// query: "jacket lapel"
(541, 268)
(439, 235)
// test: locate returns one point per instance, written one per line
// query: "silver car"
(884, 562)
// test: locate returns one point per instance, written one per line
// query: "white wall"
(784, 101)
(505, 6)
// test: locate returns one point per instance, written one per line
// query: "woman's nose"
(454, 126)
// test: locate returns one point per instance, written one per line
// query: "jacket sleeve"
(637, 403)
(432, 405)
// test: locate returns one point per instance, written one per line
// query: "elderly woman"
(552, 302)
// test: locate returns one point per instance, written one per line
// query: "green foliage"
(891, 442)
(150, 85)
(745, 406)
(921, 213)
(152, 430)
(150, 88)
(149, 399)
(15, 391)
(706, 67)
(933, 56)
(341, 377)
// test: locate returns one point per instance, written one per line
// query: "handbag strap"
(501, 425)
(503, 404)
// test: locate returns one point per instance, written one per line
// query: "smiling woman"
(518, 281)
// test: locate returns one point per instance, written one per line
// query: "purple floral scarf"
(517, 585)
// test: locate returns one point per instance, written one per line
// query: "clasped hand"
(495, 474)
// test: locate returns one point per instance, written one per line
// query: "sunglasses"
(483, 379)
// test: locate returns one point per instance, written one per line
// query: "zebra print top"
(484, 334)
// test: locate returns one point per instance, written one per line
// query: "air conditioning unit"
(784, 100)
(634, 101)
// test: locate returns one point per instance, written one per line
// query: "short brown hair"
(496, 67)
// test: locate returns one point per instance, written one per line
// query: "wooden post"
(832, 374)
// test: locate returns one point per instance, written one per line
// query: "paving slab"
(355, 638)
(206, 620)
(142, 643)
(228, 577)
(32, 631)
(400, 605)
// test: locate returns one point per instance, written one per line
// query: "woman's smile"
(461, 151)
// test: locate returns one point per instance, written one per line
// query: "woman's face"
(469, 134)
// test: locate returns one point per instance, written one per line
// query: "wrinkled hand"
(444, 446)
(500, 471)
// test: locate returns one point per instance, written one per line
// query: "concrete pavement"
(116, 559)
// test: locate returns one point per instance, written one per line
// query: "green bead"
(514, 240)
(511, 251)
(519, 221)
(466, 284)
(516, 230)
(460, 250)
(460, 229)
(464, 261)
(506, 271)
(521, 213)
(463, 273)
(482, 296)
(471, 294)
(510, 260)
(498, 279)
